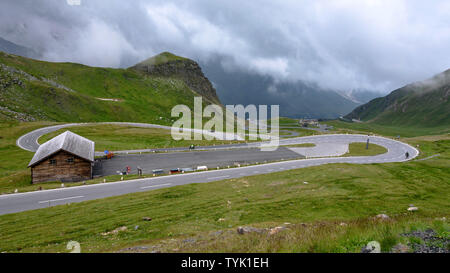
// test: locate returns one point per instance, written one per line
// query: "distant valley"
(296, 99)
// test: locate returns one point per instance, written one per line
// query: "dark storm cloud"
(335, 44)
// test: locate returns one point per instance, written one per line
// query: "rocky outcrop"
(169, 65)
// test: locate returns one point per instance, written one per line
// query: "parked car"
(202, 168)
(187, 170)
(175, 171)
(159, 171)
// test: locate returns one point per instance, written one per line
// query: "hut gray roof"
(69, 142)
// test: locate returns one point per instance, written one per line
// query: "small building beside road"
(308, 122)
(66, 158)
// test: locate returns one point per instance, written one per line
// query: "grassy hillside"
(36, 90)
(422, 105)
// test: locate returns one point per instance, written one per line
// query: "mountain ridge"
(167, 64)
(424, 104)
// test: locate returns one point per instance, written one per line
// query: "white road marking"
(155, 186)
(218, 177)
(62, 199)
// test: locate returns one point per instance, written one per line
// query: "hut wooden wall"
(63, 171)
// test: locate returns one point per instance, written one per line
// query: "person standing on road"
(407, 155)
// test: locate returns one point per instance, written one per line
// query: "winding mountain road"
(13, 203)
(30, 142)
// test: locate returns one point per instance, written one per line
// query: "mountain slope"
(12, 48)
(169, 65)
(421, 104)
(37, 90)
(296, 99)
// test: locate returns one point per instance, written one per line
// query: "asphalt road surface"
(212, 159)
(12, 203)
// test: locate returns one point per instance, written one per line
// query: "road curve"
(13, 203)
(30, 142)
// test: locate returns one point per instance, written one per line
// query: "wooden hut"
(65, 158)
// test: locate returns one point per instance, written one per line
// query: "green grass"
(334, 193)
(318, 237)
(119, 137)
(359, 149)
(402, 131)
(13, 160)
(302, 131)
(304, 145)
(283, 121)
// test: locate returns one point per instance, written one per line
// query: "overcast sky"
(336, 44)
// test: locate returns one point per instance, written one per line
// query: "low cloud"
(342, 45)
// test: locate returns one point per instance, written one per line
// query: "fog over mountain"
(7, 46)
(325, 45)
(296, 99)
